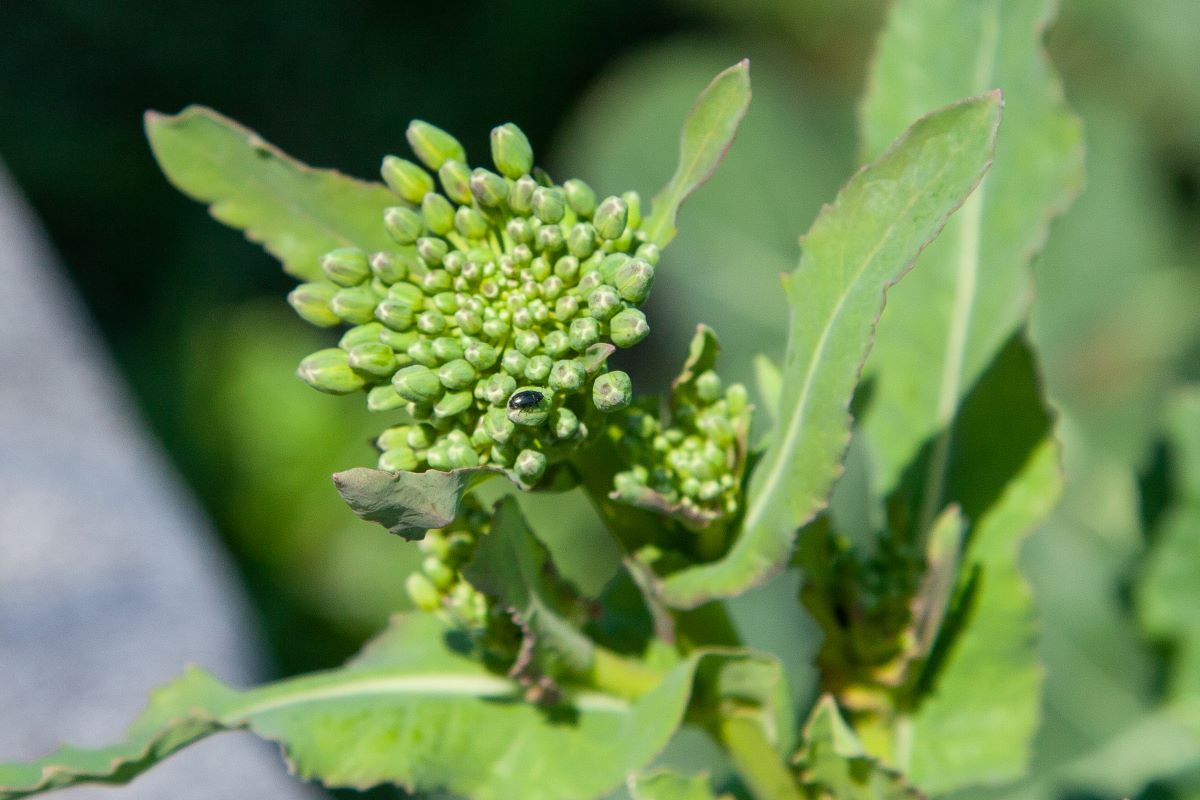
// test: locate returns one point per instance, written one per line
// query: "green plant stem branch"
(755, 759)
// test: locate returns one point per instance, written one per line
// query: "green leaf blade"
(296, 212)
(707, 133)
(412, 710)
(943, 327)
(856, 249)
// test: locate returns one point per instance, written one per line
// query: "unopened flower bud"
(457, 374)
(389, 267)
(481, 355)
(418, 384)
(549, 205)
(567, 375)
(549, 239)
(556, 344)
(455, 177)
(433, 145)
(451, 404)
(394, 314)
(384, 398)
(529, 406)
(329, 371)
(628, 327)
(634, 280)
(538, 368)
(708, 387)
(373, 359)
(580, 197)
(360, 334)
(431, 322)
(489, 188)
(603, 302)
(403, 224)
(513, 362)
(498, 426)
(736, 399)
(438, 213)
(311, 301)
(355, 305)
(584, 332)
(346, 266)
(422, 592)
(520, 199)
(530, 465)
(612, 391)
(564, 423)
(649, 252)
(633, 202)
(406, 178)
(499, 388)
(610, 218)
(511, 152)
(470, 223)
(400, 459)
(432, 249)
(447, 348)
(581, 242)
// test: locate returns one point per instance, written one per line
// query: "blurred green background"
(197, 320)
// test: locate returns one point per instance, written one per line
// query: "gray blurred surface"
(110, 579)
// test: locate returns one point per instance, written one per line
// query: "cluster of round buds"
(491, 319)
(439, 585)
(692, 467)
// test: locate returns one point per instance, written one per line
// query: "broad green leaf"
(514, 568)
(707, 134)
(408, 503)
(662, 784)
(769, 381)
(296, 212)
(977, 725)
(855, 250)
(943, 327)
(832, 763)
(411, 710)
(979, 697)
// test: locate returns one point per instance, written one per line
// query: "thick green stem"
(755, 759)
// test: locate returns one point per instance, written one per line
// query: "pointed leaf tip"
(708, 131)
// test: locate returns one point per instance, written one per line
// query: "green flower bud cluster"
(491, 320)
(439, 585)
(691, 467)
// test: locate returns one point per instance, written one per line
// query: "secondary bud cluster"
(439, 585)
(692, 466)
(491, 320)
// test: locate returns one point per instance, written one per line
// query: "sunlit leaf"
(855, 250)
(411, 710)
(707, 133)
(296, 212)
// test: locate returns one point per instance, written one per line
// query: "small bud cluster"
(439, 585)
(692, 466)
(491, 320)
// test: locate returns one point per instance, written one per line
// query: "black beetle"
(525, 399)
